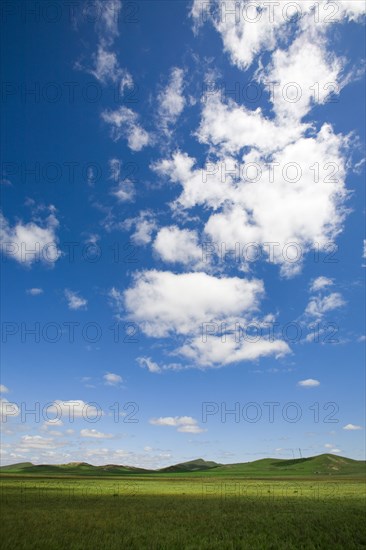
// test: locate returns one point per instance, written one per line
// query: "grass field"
(177, 511)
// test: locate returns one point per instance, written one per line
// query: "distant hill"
(192, 466)
(325, 464)
(321, 465)
(73, 468)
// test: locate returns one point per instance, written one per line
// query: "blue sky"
(182, 231)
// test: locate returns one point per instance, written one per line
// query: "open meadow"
(181, 511)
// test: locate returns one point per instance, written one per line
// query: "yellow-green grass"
(181, 512)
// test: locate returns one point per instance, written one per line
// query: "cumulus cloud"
(171, 99)
(149, 364)
(8, 409)
(74, 301)
(3, 389)
(106, 68)
(125, 123)
(332, 449)
(153, 367)
(34, 291)
(38, 442)
(352, 427)
(231, 128)
(176, 245)
(166, 302)
(144, 226)
(111, 379)
(69, 410)
(105, 65)
(351, 9)
(242, 37)
(318, 306)
(309, 383)
(320, 283)
(248, 29)
(95, 434)
(31, 242)
(304, 74)
(106, 23)
(185, 424)
(309, 210)
(215, 352)
(284, 204)
(124, 190)
(197, 189)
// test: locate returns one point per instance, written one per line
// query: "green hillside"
(326, 464)
(73, 468)
(321, 465)
(191, 466)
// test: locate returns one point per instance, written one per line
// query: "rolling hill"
(320, 465)
(72, 468)
(198, 465)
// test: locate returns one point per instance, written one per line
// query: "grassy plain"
(181, 511)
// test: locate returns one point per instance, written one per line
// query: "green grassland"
(259, 505)
(321, 465)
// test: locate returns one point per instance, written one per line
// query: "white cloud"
(196, 190)
(55, 422)
(144, 224)
(38, 442)
(248, 29)
(173, 421)
(272, 209)
(111, 379)
(191, 429)
(74, 301)
(285, 205)
(171, 100)
(108, 18)
(30, 242)
(242, 38)
(105, 65)
(69, 410)
(166, 302)
(233, 127)
(215, 353)
(176, 245)
(3, 389)
(304, 74)
(153, 367)
(8, 409)
(352, 427)
(351, 9)
(95, 434)
(147, 362)
(34, 291)
(309, 383)
(318, 306)
(106, 68)
(124, 123)
(125, 189)
(185, 424)
(320, 283)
